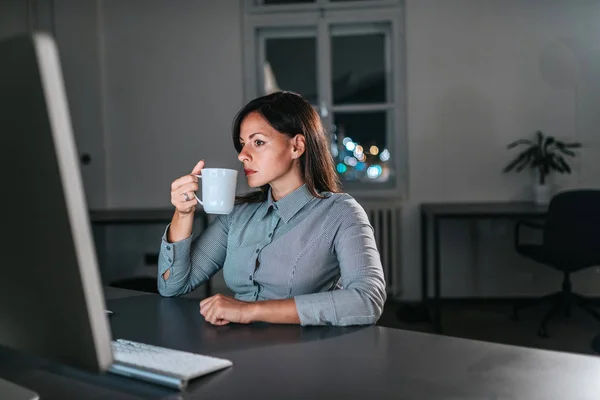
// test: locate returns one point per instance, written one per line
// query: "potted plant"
(544, 154)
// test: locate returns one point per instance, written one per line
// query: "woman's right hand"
(183, 189)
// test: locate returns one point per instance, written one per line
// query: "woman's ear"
(298, 145)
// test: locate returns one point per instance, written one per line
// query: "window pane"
(269, 2)
(292, 65)
(358, 68)
(360, 148)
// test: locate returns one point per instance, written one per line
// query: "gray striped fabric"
(298, 247)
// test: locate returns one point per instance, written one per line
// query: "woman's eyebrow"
(252, 135)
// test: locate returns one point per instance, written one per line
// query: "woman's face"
(268, 155)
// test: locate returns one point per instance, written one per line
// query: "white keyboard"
(160, 365)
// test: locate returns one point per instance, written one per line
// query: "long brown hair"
(289, 114)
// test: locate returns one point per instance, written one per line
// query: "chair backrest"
(572, 231)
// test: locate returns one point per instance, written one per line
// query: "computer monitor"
(51, 299)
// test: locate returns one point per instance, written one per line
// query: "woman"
(297, 251)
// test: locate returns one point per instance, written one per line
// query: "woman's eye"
(259, 142)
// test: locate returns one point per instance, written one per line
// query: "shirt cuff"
(170, 253)
(316, 309)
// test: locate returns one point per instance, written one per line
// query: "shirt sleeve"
(363, 294)
(192, 261)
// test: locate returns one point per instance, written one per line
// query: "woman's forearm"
(275, 311)
(180, 228)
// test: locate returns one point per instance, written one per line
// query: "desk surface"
(286, 361)
(483, 209)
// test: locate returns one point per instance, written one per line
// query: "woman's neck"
(283, 187)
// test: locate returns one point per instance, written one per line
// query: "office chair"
(571, 242)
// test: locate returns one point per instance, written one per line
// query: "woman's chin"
(253, 182)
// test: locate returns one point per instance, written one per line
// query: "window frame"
(255, 7)
(322, 20)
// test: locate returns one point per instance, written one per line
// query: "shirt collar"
(289, 206)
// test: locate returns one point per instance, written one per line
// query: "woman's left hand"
(221, 310)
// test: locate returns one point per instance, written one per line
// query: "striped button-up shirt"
(321, 252)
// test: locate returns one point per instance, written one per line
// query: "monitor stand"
(9, 390)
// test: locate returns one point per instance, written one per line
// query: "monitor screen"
(51, 299)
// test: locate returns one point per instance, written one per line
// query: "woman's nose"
(243, 156)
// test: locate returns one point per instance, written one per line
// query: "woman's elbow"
(376, 301)
(377, 295)
(166, 290)
(371, 306)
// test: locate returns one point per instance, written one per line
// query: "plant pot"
(542, 194)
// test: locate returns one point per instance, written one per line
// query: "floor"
(493, 323)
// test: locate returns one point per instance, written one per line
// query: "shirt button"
(270, 234)
(168, 259)
(250, 277)
(168, 247)
(257, 251)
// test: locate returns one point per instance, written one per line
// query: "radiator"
(385, 217)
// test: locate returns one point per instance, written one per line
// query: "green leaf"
(521, 160)
(555, 165)
(518, 142)
(539, 159)
(549, 141)
(524, 162)
(521, 167)
(516, 161)
(564, 164)
(567, 152)
(540, 138)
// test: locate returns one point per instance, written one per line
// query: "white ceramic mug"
(218, 190)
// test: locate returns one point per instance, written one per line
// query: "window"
(273, 2)
(278, 5)
(292, 53)
(348, 63)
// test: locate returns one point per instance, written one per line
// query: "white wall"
(173, 85)
(76, 26)
(482, 73)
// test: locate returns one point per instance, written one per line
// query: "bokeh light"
(385, 155)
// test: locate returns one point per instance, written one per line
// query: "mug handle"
(199, 201)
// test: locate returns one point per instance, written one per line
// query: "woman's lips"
(249, 171)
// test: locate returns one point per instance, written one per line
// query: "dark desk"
(291, 362)
(434, 213)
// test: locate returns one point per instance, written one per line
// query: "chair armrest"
(529, 224)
